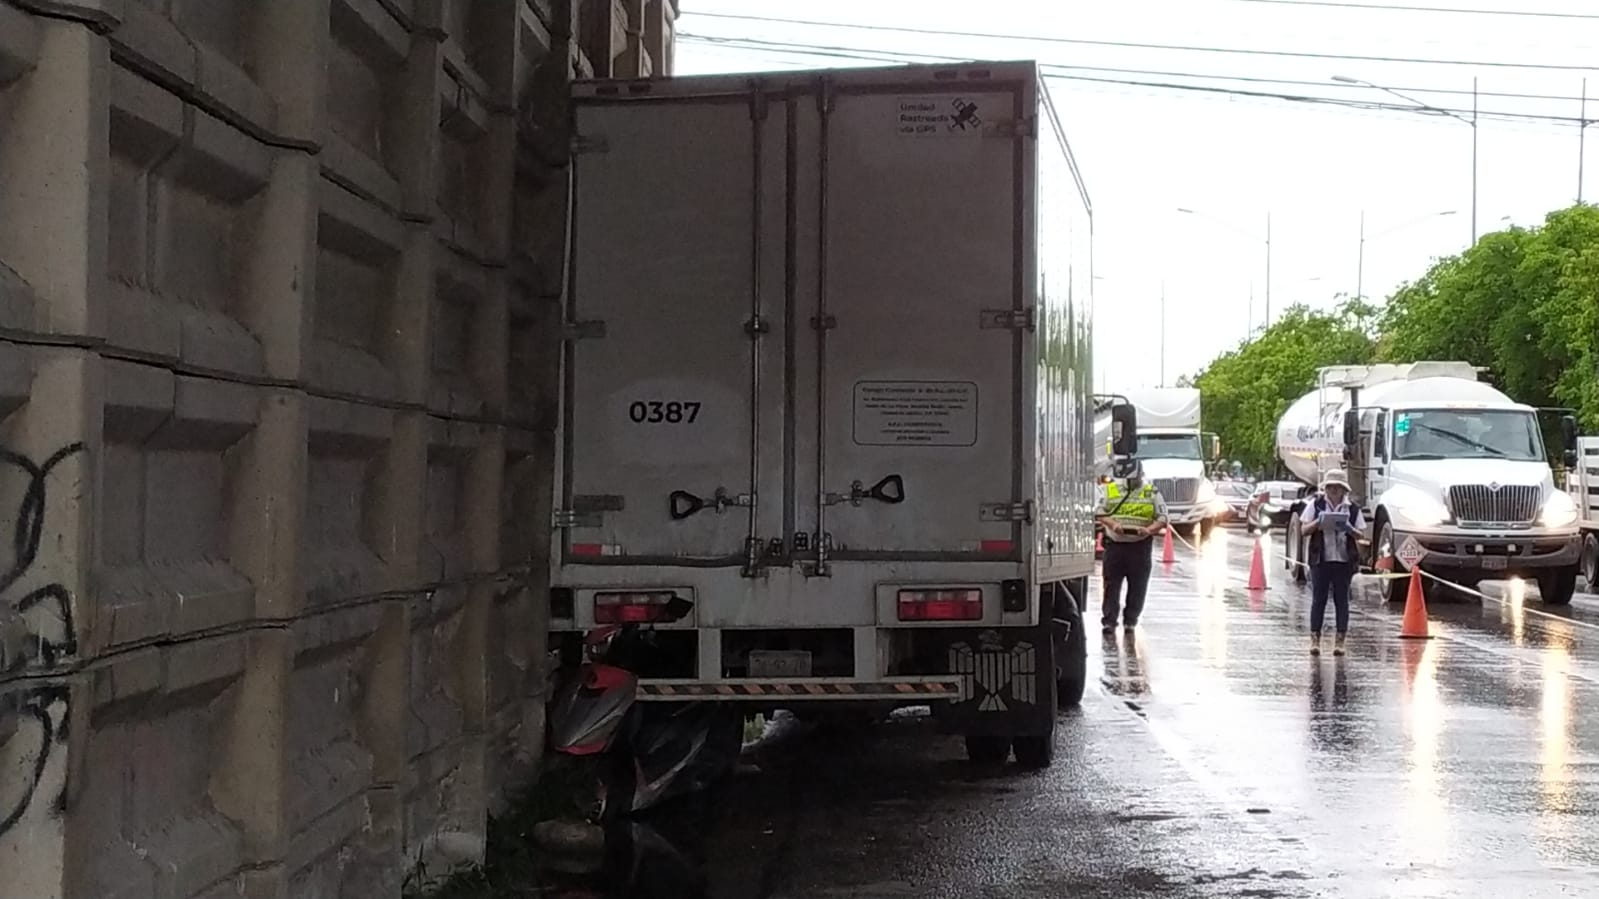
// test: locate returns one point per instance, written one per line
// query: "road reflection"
(1426, 822)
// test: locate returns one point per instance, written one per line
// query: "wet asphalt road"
(1215, 757)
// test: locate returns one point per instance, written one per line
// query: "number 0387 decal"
(659, 412)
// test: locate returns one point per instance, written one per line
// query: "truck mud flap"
(1007, 681)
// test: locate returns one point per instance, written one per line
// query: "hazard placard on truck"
(827, 378)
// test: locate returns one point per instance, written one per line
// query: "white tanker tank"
(1440, 457)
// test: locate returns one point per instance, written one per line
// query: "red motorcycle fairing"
(591, 709)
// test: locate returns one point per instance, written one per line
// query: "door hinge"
(756, 326)
(589, 143)
(1022, 512)
(1008, 319)
(572, 518)
(588, 510)
(586, 330)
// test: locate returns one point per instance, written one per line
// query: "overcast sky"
(1146, 151)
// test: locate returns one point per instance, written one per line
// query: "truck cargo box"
(828, 346)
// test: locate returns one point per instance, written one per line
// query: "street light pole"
(1360, 262)
(1268, 269)
(1433, 110)
(1163, 332)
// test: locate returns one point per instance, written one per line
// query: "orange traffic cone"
(1414, 625)
(1257, 569)
(1167, 554)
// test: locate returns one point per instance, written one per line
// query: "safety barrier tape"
(1374, 575)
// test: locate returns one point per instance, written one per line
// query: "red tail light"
(940, 605)
(630, 608)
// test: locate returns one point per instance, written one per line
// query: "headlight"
(1416, 509)
(1558, 511)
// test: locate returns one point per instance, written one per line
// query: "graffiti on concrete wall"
(35, 619)
(36, 630)
(33, 724)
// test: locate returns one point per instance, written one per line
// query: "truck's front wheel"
(1558, 586)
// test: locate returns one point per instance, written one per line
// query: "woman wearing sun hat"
(1333, 524)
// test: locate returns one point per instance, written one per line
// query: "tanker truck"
(1437, 456)
(1175, 454)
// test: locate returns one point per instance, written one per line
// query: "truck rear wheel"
(1558, 586)
(985, 749)
(1035, 752)
(1071, 653)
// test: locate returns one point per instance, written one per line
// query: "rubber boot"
(1315, 644)
(1338, 645)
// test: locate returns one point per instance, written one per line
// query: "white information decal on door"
(940, 115)
(915, 413)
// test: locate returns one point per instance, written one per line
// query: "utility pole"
(1582, 138)
(1473, 160)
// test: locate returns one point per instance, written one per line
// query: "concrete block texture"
(279, 333)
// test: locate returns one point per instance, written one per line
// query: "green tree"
(1524, 303)
(1246, 390)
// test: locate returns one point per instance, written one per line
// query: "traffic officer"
(1131, 514)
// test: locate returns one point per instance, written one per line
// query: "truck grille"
(1178, 490)
(1514, 504)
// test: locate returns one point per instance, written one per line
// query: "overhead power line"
(1069, 73)
(1344, 4)
(1133, 45)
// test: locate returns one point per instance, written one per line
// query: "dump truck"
(827, 378)
(1443, 461)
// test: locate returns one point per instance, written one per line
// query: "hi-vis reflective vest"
(1137, 511)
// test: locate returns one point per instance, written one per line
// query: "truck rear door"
(659, 402)
(918, 351)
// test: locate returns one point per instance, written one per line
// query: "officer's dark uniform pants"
(1130, 563)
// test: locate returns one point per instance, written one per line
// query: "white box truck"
(826, 378)
(1175, 453)
(1437, 456)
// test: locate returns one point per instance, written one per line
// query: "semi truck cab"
(1456, 465)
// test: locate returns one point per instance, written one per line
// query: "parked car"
(1270, 505)
(1236, 495)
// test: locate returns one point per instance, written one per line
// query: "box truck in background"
(827, 387)
(1175, 452)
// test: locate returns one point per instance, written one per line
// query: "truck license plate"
(774, 663)
(1493, 563)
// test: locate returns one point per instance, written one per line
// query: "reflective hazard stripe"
(744, 690)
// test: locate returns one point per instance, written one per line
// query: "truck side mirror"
(1351, 427)
(1568, 431)
(1570, 458)
(1124, 429)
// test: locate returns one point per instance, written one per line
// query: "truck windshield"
(1467, 434)
(1168, 446)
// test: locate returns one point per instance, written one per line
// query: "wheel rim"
(1385, 541)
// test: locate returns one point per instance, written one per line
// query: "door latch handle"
(684, 504)
(890, 490)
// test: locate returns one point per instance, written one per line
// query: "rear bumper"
(1486, 553)
(906, 689)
